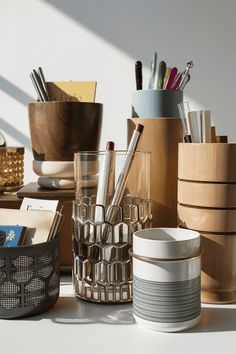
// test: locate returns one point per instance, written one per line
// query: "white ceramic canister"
(166, 279)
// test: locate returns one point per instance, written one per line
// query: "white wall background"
(101, 40)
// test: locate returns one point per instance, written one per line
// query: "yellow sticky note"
(74, 91)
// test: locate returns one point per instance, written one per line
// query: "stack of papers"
(39, 217)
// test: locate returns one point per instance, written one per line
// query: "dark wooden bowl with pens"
(59, 129)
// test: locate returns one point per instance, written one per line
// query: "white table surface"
(76, 326)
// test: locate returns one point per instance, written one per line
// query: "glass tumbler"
(112, 201)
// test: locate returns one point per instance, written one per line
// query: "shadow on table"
(71, 310)
(216, 319)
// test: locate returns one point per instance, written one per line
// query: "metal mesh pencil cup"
(102, 270)
(29, 279)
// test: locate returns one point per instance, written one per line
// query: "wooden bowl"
(207, 220)
(207, 162)
(209, 195)
(59, 129)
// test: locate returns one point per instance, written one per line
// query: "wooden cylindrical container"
(207, 203)
(161, 137)
(59, 129)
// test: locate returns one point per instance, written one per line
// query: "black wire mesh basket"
(29, 279)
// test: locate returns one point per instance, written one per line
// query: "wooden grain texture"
(210, 195)
(208, 220)
(161, 136)
(207, 162)
(10, 201)
(218, 276)
(218, 297)
(204, 209)
(59, 129)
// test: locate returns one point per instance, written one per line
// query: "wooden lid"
(207, 162)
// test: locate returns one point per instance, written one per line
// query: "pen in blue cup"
(139, 75)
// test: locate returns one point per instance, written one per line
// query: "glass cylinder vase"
(112, 202)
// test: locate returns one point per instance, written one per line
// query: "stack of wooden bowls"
(207, 203)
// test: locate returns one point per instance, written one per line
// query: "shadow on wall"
(14, 91)
(22, 97)
(180, 31)
(12, 131)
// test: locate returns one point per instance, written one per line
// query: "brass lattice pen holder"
(11, 168)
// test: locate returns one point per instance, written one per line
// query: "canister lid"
(166, 243)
